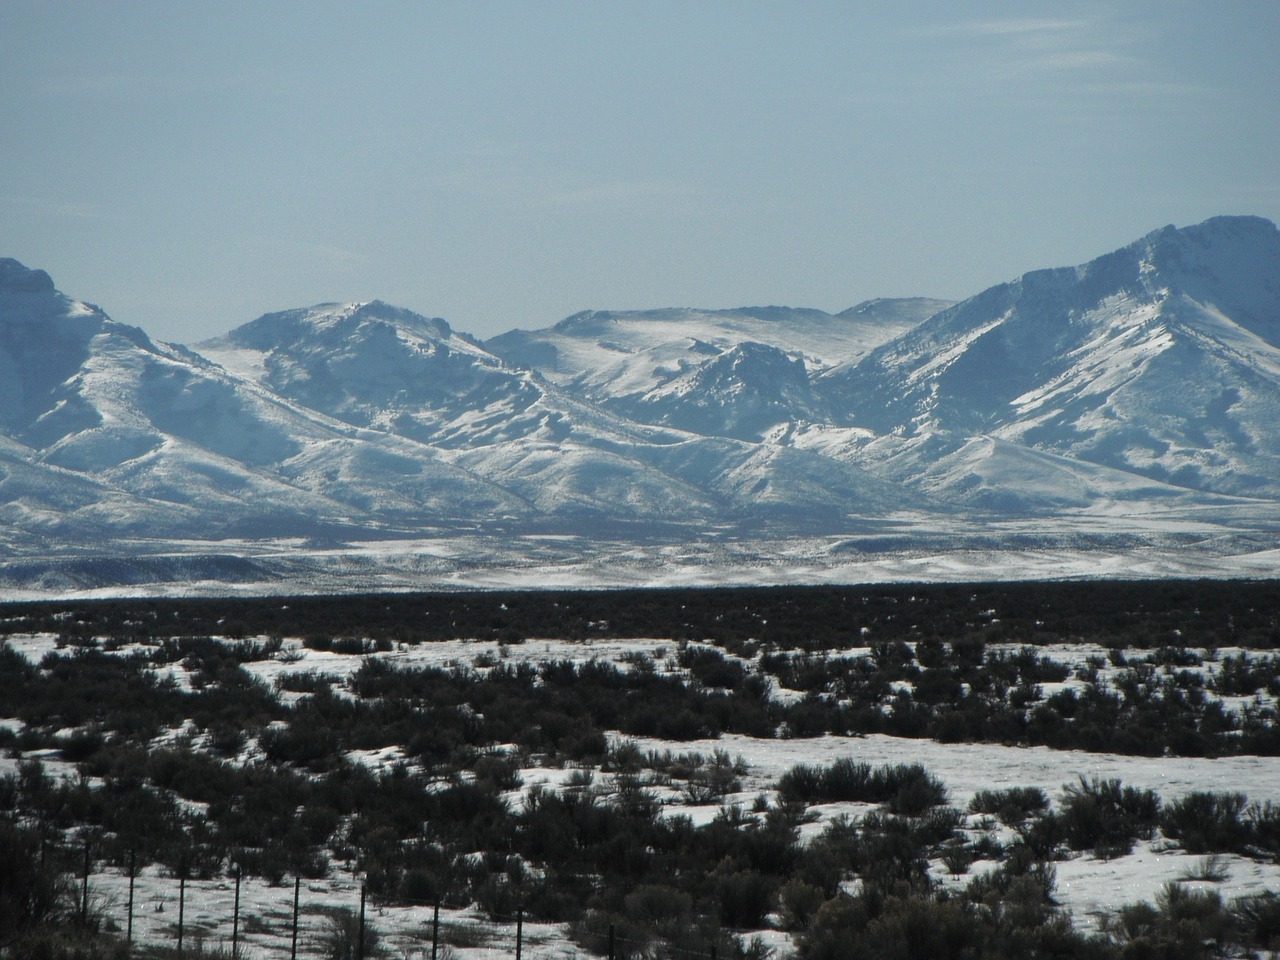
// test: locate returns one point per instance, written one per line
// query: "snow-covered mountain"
(182, 447)
(728, 372)
(1161, 359)
(1134, 397)
(391, 370)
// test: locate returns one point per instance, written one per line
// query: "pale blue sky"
(192, 165)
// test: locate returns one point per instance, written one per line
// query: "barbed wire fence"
(175, 915)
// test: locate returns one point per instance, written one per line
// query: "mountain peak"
(16, 278)
(285, 328)
(1228, 227)
(900, 309)
(1229, 263)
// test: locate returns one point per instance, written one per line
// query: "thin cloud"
(1090, 54)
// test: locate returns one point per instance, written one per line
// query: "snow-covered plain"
(1088, 886)
(1092, 543)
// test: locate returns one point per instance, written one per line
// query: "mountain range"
(1129, 404)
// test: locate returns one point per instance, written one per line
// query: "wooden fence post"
(182, 906)
(133, 873)
(360, 944)
(293, 949)
(235, 921)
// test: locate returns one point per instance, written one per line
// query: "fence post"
(182, 906)
(235, 921)
(519, 930)
(293, 949)
(435, 929)
(360, 943)
(133, 873)
(713, 952)
(611, 957)
(84, 887)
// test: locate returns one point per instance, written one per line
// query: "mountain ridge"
(1138, 389)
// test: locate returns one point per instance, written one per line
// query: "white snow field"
(1088, 886)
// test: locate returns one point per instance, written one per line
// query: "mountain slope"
(1139, 391)
(102, 402)
(391, 370)
(722, 372)
(1158, 359)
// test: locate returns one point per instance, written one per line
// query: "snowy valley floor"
(1087, 885)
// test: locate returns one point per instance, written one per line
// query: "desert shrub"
(304, 681)
(1181, 925)
(891, 854)
(661, 910)
(341, 939)
(896, 657)
(80, 745)
(499, 769)
(609, 933)
(1263, 821)
(353, 646)
(31, 896)
(957, 857)
(1257, 919)
(835, 925)
(906, 927)
(744, 897)
(1207, 822)
(1012, 805)
(712, 782)
(1175, 656)
(938, 825)
(1022, 878)
(847, 780)
(910, 789)
(802, 783)
(1210, 869)
(1106, 817)
(308, 745)
(987, 847)
(938, 686)
(798, 902)
(711, 668)
(905, 788)
(1243, 676)
(227, 739)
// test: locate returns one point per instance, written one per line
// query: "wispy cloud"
(1091, 53)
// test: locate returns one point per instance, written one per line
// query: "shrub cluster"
(904, 788)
